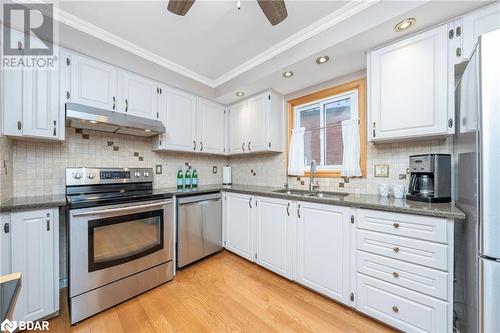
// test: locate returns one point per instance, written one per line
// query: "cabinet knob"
(395, 309)
(395, 274)
(395, 225)
(396, 249)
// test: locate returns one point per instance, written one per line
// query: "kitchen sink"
(315, 194)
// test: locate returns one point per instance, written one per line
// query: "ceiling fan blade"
(180, 7)
(275, 10)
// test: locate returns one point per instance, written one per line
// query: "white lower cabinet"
(396, 268)
(400, 307)
(34, 251)
(275, 234)
(323, 249)
(238, 224)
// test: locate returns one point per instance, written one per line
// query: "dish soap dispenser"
(180, 179)
(194, 179)
(187, 179)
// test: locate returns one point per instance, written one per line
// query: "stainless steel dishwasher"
(199, 227)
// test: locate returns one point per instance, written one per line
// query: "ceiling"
(228, 50)
(211, 40)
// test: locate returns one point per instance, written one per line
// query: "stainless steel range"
(120, 237)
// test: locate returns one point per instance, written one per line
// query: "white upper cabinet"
(180, 121)
(35, 253)
(239, 224)
(408, 88)
(210, 126)
(93, 83)
(275, 235)
(139, 95)
(237, 114)
(258, 110)
(31, 102)
(477, 23)
(323, 249)
(257, 124)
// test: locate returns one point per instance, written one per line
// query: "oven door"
(112, 242)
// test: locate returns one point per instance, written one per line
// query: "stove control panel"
(96, 176)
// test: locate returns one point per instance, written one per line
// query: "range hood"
(87, 117)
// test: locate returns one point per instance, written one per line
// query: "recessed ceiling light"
(322, 59)
(240, 94)
(93, 122)
(405, 24)
(147, 130)
(287, 74)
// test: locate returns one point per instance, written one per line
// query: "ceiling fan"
(275, 10)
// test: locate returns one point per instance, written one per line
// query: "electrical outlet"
(159, 169)
(214, 169)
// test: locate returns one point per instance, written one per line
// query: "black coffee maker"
(430, 179)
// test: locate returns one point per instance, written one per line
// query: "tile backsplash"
(270, 169)
(6, 161)
(40, 166)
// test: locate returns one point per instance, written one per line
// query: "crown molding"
(341, 14)
(348, 10)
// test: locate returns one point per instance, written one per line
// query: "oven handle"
(121, 209)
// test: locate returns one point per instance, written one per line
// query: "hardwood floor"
(224, 293)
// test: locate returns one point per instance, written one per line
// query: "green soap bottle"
(194, 180)
(187, 179)
(180, 179)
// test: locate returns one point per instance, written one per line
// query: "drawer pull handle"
(395, 225)
(396, 249)
(395, 274)
(395, 309)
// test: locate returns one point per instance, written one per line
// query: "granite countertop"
(34, 202)
(369, 201)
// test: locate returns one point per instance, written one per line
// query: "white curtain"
(352, 149)
(296, 154)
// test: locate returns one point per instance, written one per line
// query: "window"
(321, 114)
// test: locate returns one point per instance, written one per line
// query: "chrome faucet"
(312, 176)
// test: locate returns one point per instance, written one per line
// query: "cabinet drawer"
(404, 309)
(421, 227)
(422, 279)
(412, 250)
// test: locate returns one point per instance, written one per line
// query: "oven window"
(117, 240)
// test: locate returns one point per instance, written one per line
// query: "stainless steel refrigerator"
(477, 152)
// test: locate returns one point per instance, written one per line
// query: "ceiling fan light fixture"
(321, 60)
(287, 74)
(240, 94)
(405, 24)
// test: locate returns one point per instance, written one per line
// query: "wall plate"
(159, 169)
(382, 170)
(214, 169)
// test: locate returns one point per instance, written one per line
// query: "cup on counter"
(384, 190)
(398, 191)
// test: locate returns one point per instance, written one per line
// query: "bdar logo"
(8, 326)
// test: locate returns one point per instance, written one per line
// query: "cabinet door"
(274, 235)
(180, 121)
(139, 96)
(93, 83)
(323, 249)
(210, 127)
(237, 125)
(408, 87)
(40, 111)
(257, 119)
(239, 224)
(33, 254)
(477, 23)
